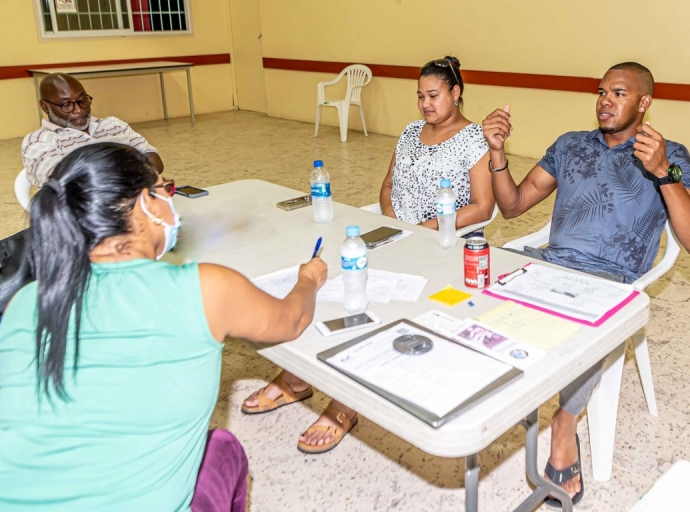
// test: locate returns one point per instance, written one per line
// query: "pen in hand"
(316, 249)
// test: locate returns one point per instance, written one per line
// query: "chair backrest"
(358, 75)
(22, 189)
(478, 225)
(672, 251)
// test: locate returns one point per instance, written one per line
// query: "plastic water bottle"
(446, 211)
(321, 200)
(353, 258)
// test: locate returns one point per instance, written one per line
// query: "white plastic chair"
(358, 76)
(22, 189)
(603, 406)
(376, 208)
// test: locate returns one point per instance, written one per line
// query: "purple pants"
(222, 482)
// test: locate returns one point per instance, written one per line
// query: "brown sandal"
(336, 416)
(266, 404)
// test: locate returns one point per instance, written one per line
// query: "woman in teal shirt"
(110, 361)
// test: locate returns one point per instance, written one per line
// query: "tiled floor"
(372, 470)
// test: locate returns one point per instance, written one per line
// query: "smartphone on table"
(375, 237)
(347, 323)
(191, 192)
(294, 203)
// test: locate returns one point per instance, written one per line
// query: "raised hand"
(497, 127)
(650, 149)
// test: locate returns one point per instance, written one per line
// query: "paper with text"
(382, 286)
(526, 324)
(582, 297)
(438, 380)
(483, 338)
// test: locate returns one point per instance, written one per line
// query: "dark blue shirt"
(609, 213)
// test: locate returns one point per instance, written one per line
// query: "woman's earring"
(457, 103)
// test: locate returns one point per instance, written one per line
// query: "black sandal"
(563, 475)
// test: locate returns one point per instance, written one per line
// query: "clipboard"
(539, 294)
(507, 375)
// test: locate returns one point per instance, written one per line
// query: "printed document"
(438, 381)
(382, 286)
(580, 297)
(483, 338)
(527, 324)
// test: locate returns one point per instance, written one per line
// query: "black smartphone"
(372, 238)
(189, 191)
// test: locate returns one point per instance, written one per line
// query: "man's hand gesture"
(497, 128)
(650, 149)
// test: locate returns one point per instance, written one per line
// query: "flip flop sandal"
(561, 476)
(338, 433)
(266, 404)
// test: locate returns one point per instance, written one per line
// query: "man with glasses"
(70, 126)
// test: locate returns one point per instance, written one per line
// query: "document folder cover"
(434, 386)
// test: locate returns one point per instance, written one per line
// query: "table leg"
(191, 98)
(165, 103)
(37, 86)
(544, 487)
(471, 483)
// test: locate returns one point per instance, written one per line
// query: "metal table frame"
(142, 68)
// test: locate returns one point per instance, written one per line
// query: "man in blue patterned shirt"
(616, 187)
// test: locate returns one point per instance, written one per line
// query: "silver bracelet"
(491, 167)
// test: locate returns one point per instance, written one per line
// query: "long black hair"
(88, 198)
(448, 70)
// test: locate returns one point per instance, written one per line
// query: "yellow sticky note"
(450, 296)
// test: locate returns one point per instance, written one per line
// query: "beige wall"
(539, 36)
(247, 52)
(135, 98)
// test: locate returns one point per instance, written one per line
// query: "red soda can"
(477, 262)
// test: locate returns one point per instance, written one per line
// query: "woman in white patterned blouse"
(444, 145)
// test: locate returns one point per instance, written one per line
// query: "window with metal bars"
(112, 17)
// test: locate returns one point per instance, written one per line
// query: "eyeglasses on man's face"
(443, 63)
(68, 106)
(167, 185)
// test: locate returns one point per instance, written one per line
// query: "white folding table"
(137, 68)
(238, 225)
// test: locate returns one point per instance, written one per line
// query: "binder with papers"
(434, 386)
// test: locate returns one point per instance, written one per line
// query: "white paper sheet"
(278, 283)
(566, 293)
(437, 381)
(382, 286)
(482, 338)
(378, 289)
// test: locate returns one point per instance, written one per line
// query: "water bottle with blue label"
(446, 211)
(353, 258)
(321, 200)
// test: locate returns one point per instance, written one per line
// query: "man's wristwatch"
(674, 175)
